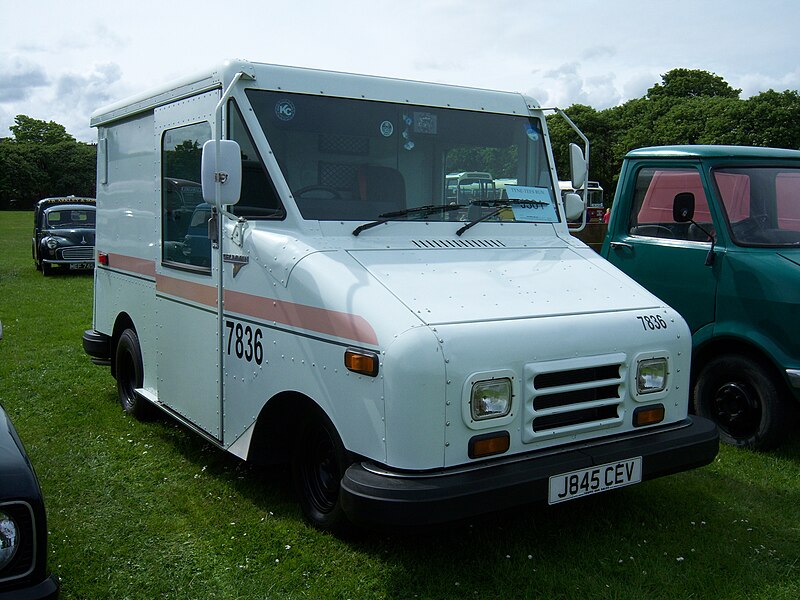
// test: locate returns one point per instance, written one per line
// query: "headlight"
(9, 539)
(51, 243)
(651, 375)
(490, 399)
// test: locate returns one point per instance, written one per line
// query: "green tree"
(43, 160)
(691, 83)
(40, 132)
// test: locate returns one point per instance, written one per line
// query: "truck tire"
(130, 375)
(741, 397)
(319, 461)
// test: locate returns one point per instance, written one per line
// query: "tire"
(319, 461)
(740, 395)
(46, 269)
(130, 375)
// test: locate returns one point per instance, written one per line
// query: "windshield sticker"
(409, 143)
(532, 132)
(425, 122)
(532, 203)
(285, 110)
(387, 129)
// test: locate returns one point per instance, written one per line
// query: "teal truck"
(715, 232)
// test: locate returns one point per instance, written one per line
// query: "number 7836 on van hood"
(374, 279)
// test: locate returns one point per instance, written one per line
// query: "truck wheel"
(739, 395)
(130, 375)
(319, 461)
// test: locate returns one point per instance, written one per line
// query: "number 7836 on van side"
(373, 279)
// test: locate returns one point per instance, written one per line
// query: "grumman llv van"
(416, 360)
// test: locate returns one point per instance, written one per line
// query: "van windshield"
(762, 204)
(357, 160)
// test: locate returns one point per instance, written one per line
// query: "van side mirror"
(225, 169)
(573, 206)
(577, 166)
(683, 207)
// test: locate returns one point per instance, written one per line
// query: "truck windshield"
(762, 204)
(359, 160)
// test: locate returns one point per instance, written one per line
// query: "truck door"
(187, 274)
(666, 257)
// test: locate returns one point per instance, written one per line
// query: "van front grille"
(565, 397)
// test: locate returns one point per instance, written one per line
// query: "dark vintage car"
(23, 524)
(63, 233)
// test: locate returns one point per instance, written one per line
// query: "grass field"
(151, 511)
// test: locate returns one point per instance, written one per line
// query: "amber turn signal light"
(361, 361)
(489, 444)
(648, 415)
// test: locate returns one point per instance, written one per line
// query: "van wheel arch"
(122, 323)
(293, 428)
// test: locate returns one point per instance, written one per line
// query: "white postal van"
(279, 270)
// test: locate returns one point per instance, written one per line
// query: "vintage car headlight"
(9, 539)
(651, 375)
(51, 243)
(491, 398)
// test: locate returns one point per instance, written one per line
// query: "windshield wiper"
(426, 210)
(500, 208)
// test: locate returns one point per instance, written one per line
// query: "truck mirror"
(573, 206)
(683, 207)
(577, 166)
(225, 169)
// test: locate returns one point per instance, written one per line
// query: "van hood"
(464, 285)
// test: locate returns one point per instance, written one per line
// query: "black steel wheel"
(741, 396)
(319, 461)
(130, 375)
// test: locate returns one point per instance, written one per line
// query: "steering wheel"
(326, 189)
(749, 226)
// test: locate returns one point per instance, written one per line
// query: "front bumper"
(371, 496)
(46, 589)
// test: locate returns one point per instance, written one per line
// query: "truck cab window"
(259, 199)
(651, 209)
(184, 233)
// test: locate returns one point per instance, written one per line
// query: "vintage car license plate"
(593, 480)
(82, 266)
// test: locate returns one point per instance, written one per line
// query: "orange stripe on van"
(187, 290)
(311, 318)
(331, 322)
(141, 266)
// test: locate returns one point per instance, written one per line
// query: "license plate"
(82, 266)
(593, 480)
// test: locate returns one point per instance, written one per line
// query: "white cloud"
(19, 78)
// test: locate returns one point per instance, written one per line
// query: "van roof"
(712, 151)
(319, 82)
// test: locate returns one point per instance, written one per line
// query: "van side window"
(184, 215)
(259, 199)
(651, 209)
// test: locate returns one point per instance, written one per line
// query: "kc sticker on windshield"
(532, 204)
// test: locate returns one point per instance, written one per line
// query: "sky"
(61, 60)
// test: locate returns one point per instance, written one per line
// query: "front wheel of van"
(319, 461)
(130, 376)
(741, 397)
